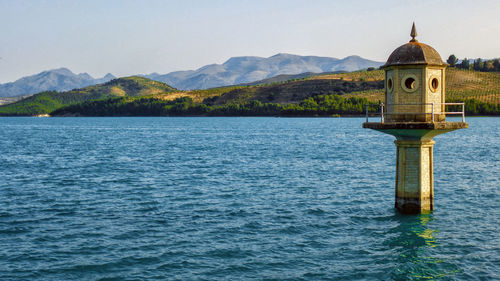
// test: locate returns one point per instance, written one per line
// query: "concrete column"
(414, 179)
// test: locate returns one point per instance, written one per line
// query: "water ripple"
(238, 199)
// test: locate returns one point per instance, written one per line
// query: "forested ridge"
(324, 95)
(324, 105)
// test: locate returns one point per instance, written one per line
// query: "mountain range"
(310, 95)
(236, 70)
(240, 70)
(61, 79)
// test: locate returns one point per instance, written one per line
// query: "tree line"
(477, 64)
(321, 105)
(325, 105)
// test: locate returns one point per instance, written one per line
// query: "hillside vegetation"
(46, 102)
(323, 105)
(320, 95)
(461, 85)
(306, 97)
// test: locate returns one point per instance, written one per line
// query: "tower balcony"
(414, 120)
(414, 112)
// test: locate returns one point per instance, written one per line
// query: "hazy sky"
(131, 37)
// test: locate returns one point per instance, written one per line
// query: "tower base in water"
(414, 161)
(414, 182)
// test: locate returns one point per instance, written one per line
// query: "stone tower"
(415, 78)
(414, 113)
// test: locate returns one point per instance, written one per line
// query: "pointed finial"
(413, 33)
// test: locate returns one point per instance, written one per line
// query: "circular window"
(434, 84)
(389, 84)
(409, 83)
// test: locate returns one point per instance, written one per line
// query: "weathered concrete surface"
(414, 176)
(416, 125)
(414, 161)
(415, 130)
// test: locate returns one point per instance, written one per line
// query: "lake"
(239, 199)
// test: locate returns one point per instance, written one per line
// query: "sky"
(126, 37)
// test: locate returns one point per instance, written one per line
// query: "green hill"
(46, 102)
(461, 85)
(303, 97)
(327, 94)
(283, 92)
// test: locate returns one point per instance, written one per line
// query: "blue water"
(239, 199)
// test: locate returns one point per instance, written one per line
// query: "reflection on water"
(419, 257)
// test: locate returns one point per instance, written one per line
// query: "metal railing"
(383, 110)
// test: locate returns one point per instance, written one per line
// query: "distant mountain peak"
(59, 79)
(61, 71)
(246, 69)
(353, 57)
(241, 59)
(85, 75)
(284, 55)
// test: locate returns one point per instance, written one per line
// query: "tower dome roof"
(414, 52)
